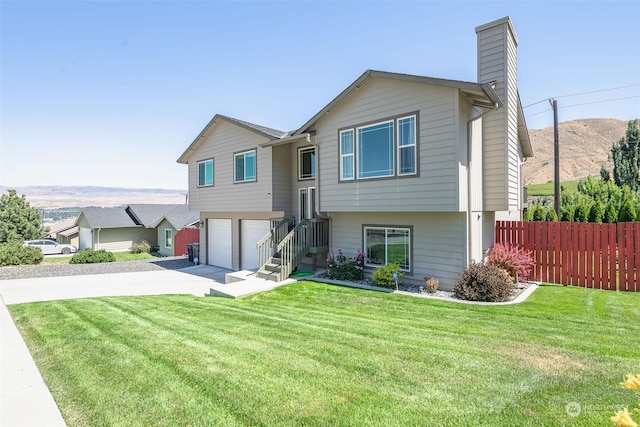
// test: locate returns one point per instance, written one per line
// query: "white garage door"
(251, 231)
(219, 243)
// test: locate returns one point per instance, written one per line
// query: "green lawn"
(547, 189)
(120, 256)
(315, 354)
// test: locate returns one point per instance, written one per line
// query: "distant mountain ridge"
(585, 145)
(80, 196)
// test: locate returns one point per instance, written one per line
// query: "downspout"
(469, 181)
(317, 204)
(98, 244)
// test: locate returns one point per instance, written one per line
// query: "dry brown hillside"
(585, 145)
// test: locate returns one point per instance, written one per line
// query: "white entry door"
(219, 243)
(251, 231)
(85, 238)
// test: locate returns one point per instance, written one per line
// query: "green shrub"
(383, 276)
(16, 254)
(141, 248)
(483, 282)
(89, 256)
(516, 262)
(343, 268)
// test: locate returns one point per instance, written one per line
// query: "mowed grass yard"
(316, 354)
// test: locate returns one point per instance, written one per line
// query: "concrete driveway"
(196, 280)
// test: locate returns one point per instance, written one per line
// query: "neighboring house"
(173, 224)
(65, 232)
(117, 229)
(408, 169)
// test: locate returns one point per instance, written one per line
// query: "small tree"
(596, 214)
(626, 158)
(18, 220)
(610, 213)
(627, 211)
(551, 215)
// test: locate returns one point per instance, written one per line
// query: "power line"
(583, 103)
(583, 93)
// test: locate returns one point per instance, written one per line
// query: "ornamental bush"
(517, 262)
(383, 276)
(89, 256)
(343, 268)
(16, 254)
(484, 282)
(141, 248)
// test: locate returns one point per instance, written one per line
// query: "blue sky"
(111, 93)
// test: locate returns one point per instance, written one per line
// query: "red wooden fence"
(183, 237)
(600, 256)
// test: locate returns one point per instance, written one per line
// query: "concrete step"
(270, 276)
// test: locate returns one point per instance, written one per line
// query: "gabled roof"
(108, 217)
(69, 232)
(481, 95)
(138, 215)
(61, 226)
(264, 131)
(149, 215)
(180, 217)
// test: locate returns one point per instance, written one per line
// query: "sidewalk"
(25, 400)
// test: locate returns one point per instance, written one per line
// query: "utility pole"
(556, 159)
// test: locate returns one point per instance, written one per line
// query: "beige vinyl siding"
(121, 239)
(162, 243)
(284, 176)
(497, 60)
(222, 142)
(235, 218)
(436, 187)
(438, 241)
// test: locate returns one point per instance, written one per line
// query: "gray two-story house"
(407, 169)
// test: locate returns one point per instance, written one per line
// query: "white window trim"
(313, 169)
(213, 173)
(396, 150)
(165, 238)
(352, 155)
(243, 154)
(357, 151)
(414, 145)
(373, 227)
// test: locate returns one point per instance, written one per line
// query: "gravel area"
(53, 270)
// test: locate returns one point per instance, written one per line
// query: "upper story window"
(306, 163)
(370, 151)
(245, 166)
(205, 173)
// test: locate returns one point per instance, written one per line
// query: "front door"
(306, 203)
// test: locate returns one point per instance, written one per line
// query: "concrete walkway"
(25, 400)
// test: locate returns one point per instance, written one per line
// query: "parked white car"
(49, 247)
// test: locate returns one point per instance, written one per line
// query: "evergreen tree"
(538, 213)
(597, 212)
(18, 220)
(551, 215)
(610, 213)
(627, 211)
(581, 213)
(626, 158)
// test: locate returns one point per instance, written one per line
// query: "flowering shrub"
(343, 268)
(483, 282)
(623, 418)
(142, 247)
(517, 262)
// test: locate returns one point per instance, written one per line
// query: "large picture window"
(245, 166)
(306, 163)
(205, 173)
(379, 150)
(387, 245)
